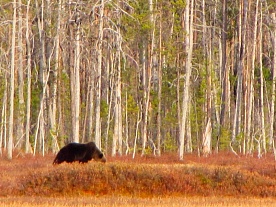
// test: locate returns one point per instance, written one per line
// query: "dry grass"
(220, 180)
(129, 201)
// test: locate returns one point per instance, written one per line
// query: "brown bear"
(79, 152)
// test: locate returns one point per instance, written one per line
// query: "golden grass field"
(131, 202)
(220, 180)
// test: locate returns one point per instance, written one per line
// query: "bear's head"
(97, 154)
(99, 157)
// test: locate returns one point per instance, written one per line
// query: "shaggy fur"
(79, 152)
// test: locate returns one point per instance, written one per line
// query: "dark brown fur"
(79, 152)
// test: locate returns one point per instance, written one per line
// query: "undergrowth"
(145, 178)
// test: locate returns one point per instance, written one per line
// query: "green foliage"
(224, 139)
(35, 101)
(132, 106)
(104, 109)
(169, 143)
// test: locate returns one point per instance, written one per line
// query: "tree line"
(138, 77)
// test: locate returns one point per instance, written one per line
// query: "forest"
(138, 77)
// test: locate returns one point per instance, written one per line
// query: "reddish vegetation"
(221, 174)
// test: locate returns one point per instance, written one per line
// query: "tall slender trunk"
(273, 40)
(53, 100)
(250, 89)
(262, 115)
(40, 130)
(3, 125)
(207, 134)
(117, 136)
(159, 121)
(118, 125)
(146, 78)
(20, 121)
(75, 83)
(240, 68)
(11, 95)
(224, 73)
(188, 68)
(91, 104)
(98, 78)
(29, 75)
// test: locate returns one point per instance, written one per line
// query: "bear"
(79, 152)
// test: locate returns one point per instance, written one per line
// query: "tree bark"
(11, 95)
(29, 75)
(224, 73)
(250, 88)
(54, 85)
(240, 67)
(75, 84)
(3, 132)
(159, 120)
(207, 134)
(262, 115)
(188, 68)
(98, 78)
(273, 38)
(40, 128)
(20, 120)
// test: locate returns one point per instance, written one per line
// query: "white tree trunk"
(76, 88)
(20, 121)
(98, 78)
(159, 121)
(3, 128)
(53, 99)
(188, 68)
(272, 139)
(250, 88)
(144, 102)
(207, 134)
(118, 125)
(11, 95)
(29, 75)
(263, 135)
(206, 142)
(240, 68)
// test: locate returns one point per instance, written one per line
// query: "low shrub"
(146, 180)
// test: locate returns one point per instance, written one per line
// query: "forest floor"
(219, 180)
